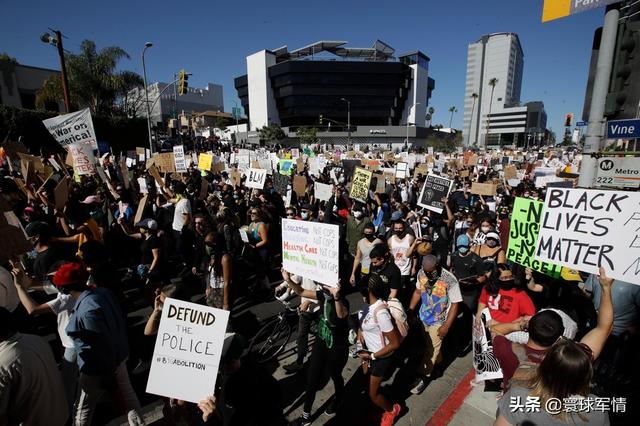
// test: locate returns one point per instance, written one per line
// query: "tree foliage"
(272, 133)
(307, 135)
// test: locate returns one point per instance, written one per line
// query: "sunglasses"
(290, 214)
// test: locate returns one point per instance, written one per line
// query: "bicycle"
(272, 337)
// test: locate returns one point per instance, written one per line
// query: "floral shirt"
(437, 299)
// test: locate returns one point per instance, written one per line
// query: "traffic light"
(183, 82)
(567, 120)
(624, 89)
(320, 118)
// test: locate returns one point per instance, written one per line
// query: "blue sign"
(623, 129)
(581, 123)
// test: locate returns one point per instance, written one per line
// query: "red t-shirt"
(508, 305)
(509, 362)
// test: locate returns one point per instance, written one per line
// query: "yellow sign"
(204, 161)
(360, 184)
(556, 9)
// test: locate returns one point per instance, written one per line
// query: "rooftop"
(379, 52)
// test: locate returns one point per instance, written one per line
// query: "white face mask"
(485, 229)
(358, 214)
(304, 215)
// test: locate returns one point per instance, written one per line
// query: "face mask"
(491, 243)
(358, 214)
(424, 225)
(506, 284)
(485, 229)
(370, 237)
(304, 215)
(335, 209)
(463, 249)
(399, 233)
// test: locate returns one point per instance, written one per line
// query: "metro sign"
(623, 129)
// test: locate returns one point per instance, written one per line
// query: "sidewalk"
(467, 405)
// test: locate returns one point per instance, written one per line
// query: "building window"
(499, 99)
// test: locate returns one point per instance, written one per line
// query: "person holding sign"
(331, 349)
(362, 258)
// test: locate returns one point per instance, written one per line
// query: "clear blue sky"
(211, 39)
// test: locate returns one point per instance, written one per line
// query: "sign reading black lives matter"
(435, 188)
(585, 229)
(187, 353)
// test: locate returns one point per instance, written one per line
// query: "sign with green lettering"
(523, 234)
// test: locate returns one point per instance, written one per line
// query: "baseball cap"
(493, 236)
(569, 274)
(462, 241)
(424, 248)
(37, 228)
(147, 224)
(70, 273)
(396, 216)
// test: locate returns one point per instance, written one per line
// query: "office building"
(20, 83)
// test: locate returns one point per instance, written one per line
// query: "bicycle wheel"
(270, 340)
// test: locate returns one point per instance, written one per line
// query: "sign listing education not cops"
(187, 353)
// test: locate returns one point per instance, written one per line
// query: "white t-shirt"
(399, 249)
(62, 306)
(307, 284)
(8, 293)
(183, 207)
(372, 330)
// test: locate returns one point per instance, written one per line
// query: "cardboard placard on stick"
(125, 172)
(165, 162)
(141, 205)
(299, 185)
(510, 172)
(483, 188)
(153, 171)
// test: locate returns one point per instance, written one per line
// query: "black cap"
(37, 228)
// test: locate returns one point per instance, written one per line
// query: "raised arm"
(597, 337)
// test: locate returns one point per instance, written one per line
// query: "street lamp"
(348, 121)
(146, 95)
(408, 114)
(57, 41)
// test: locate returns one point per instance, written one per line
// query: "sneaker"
(301, 421)
(419, 386)
(135, 419)
(332, 408)
(141, 367)
(389, 417)
(292, 368)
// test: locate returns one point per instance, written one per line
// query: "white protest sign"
(255, 178)
(179, 159)
(142, 183)
(310, 249)
(622, 172)
(585, 228)
(187, 353)
(76, 127)
(402, 170)
(322, 191)
(84, 162)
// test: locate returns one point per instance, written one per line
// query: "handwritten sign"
(523, 234)
(310, 249)
(83, 158)
(188, 348)
(204, 162)
(256, 178)
(165, 162)
(179, 159)
(435, 188)
(360, 184)
(585, 229)
(402, 170)
(322, 191)
(483, 188)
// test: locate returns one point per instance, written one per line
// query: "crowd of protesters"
(204, 233)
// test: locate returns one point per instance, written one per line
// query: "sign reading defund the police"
(76, 127)
(585, 229)
(435, 188)
(187, 353)
(255, 178)
(623, 172)
(523, 234)
(310, 249)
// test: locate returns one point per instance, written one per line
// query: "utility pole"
(63, 71)
(595, 129)
(175, 96)
(146, 95)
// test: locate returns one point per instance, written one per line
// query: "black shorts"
(380, 367)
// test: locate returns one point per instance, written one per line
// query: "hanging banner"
(188, 348)
(360, 184)
(84, 162)
(255, 178)
(310, 249)
(179, 159)
(523, 234)
(585, 228)
(76, 127)
(435, 188)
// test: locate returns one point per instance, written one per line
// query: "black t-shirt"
(392, 272)
(466, 266)
(45, 260)
(333, 332)
(148, 244)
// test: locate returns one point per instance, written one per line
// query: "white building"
(163, 105)
(496, 56)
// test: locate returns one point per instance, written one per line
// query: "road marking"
(453, 402)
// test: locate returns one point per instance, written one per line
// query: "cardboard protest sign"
(285, 167)
(204, 161)
(422, 169)
(61, 194)
(360, 184)
(402, 170)
(153, 171)
(140, 211)
(299, 185)
(280, 183)
(322, 191)
(510, 172)
(435, 188)
(310, 249)
(299, 164)
(483, 188)
(14, 239)
(188, 348)
(464, 173)
(73, 128)
(523, 234)
(142, 184)
(125, 172)
(83, 158)
(380, 183)
(179, 160)
(585, 228)
(236, 177)
(164, 162)
(256, 178)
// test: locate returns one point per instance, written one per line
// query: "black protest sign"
(435, 188)
(280, 183)
(349, 167)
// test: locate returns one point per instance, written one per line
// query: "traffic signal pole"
(596, 129)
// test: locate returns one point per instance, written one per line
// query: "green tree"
(452, 110)
(4, 56)
(221, 123)
(429, 116)
(272, 133)
(307, 135)
(492, 83)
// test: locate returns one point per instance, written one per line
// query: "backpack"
(398, 316)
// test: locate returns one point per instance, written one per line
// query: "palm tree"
(492, 83)
(429, 116)
(452, 110)
(474, 97)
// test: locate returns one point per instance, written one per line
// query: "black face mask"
(370, 237)
(506, 284)
(400, 234)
